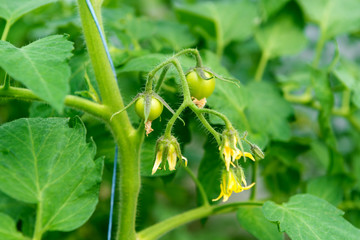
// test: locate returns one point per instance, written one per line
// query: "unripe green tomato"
(156, 108)
(200, 88)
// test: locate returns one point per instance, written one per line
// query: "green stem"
(319, 49)
(75, 102)
(199, 186)
(38, 223)
(159, 229)
(6, 31)
(6, 81)
(261, 66)
(173, 61)
(161, 78)
(220, 115)
(206, 124)
(254, 176)
(172, 120)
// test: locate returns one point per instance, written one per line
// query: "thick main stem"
(128, 139)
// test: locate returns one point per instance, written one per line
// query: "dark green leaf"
(43, 67)
(227, 21)
(252, 220)
(209, 172)
(282, 35)
(8, 229)
(307, 217)
(270, 7)
(328, 188)
(43, 161)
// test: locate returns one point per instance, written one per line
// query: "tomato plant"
(262, 122)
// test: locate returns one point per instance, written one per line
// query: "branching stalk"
(159, 229)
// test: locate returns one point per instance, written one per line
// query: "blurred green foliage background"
(304, 112)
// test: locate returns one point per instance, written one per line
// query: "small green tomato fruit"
(200, 88)
(156, 108)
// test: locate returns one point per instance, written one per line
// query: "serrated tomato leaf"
(253, 220)
(41, 66)
(307, 217)
(44, 161)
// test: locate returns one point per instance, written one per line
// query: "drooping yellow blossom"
(230, 151)
(231, 181)
(169, 149)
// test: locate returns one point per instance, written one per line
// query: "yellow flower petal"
(157, 163)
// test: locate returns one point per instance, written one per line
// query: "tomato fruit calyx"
(201, 83)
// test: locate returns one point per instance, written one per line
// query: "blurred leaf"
(15, 209)
(333, 16)
(225, 21)
(268, 111)
(307, 217)
(43, 67)
(140, 28)
(8, 229)
(281, 169)
(348, 73)
(177, 35)
(252, 220)
(43, 161)
(148, 62)
(283, 34)
(270, 7)
(328, 188)
(11, 10)
(324, 95)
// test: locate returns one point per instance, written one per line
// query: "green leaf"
(268, 111)
(227, 21)
(177, 35)
(333, 16)
(283, 34)
(272, 6)
(252, 220)
(328, 188)
(307, 217)
(46, 162)
(11, 10)
(15, 209)
(43, 67)
(8, 229)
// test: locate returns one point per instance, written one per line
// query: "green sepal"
(147, 108)
(127, 106)
(155, 95)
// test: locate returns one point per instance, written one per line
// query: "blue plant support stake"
(92, 11)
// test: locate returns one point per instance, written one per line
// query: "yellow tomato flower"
(229, 149)
(231, 182)
(169, 149)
